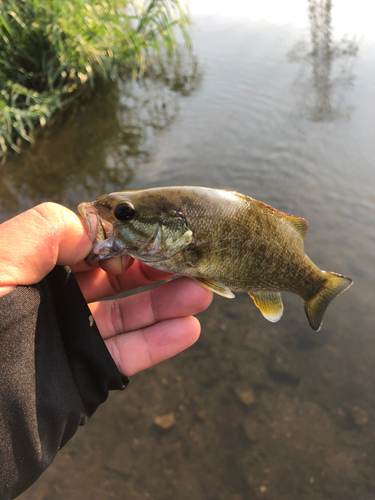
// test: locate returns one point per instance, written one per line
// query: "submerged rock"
(283, 368)
(251, 429)
(246, 396)
(165, 421)
(359, 416)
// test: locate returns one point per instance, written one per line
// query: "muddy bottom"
(253, 410)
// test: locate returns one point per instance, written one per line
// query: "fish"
(225, 241)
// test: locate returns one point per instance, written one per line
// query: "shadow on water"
(329, 63)
(97, 148)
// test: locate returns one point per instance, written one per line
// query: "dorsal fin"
(299, 224)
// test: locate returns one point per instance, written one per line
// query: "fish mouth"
(91, 218)
(100, 232)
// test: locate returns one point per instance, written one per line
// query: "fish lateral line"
(212, 244)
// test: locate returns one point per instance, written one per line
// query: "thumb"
(32, 243)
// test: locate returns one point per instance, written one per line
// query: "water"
(280, 108)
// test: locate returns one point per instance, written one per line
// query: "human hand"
(140, 330)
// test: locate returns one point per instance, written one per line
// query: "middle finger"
(177, 298)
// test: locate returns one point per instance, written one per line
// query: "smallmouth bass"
(225, 241)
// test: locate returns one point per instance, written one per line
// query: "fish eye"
(124, 211)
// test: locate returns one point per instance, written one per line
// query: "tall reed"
(53, 51)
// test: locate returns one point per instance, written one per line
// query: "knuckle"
(116, 317)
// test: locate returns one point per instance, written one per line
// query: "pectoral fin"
(215, 287)
(269, 304)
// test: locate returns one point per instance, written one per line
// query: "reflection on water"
(259, 410)
(71, 158)
(98, 148)
(331, 67)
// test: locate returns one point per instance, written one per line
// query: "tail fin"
(316, 307)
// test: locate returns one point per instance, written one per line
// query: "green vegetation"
(54, 51)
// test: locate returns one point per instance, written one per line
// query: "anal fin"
(269, 304)
(215, 287)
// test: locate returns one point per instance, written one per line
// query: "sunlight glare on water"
(350, 17)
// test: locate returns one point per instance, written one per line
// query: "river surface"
(279, 105)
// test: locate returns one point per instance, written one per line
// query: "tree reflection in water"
(97, 148)
(321, 92)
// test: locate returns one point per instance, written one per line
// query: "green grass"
(54, 51)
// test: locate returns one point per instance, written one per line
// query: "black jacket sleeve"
(55, 370)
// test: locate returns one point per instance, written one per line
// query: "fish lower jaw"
(105, 249)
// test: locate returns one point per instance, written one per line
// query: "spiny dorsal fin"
(299, 224)
(215, 287)
(269, 304)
